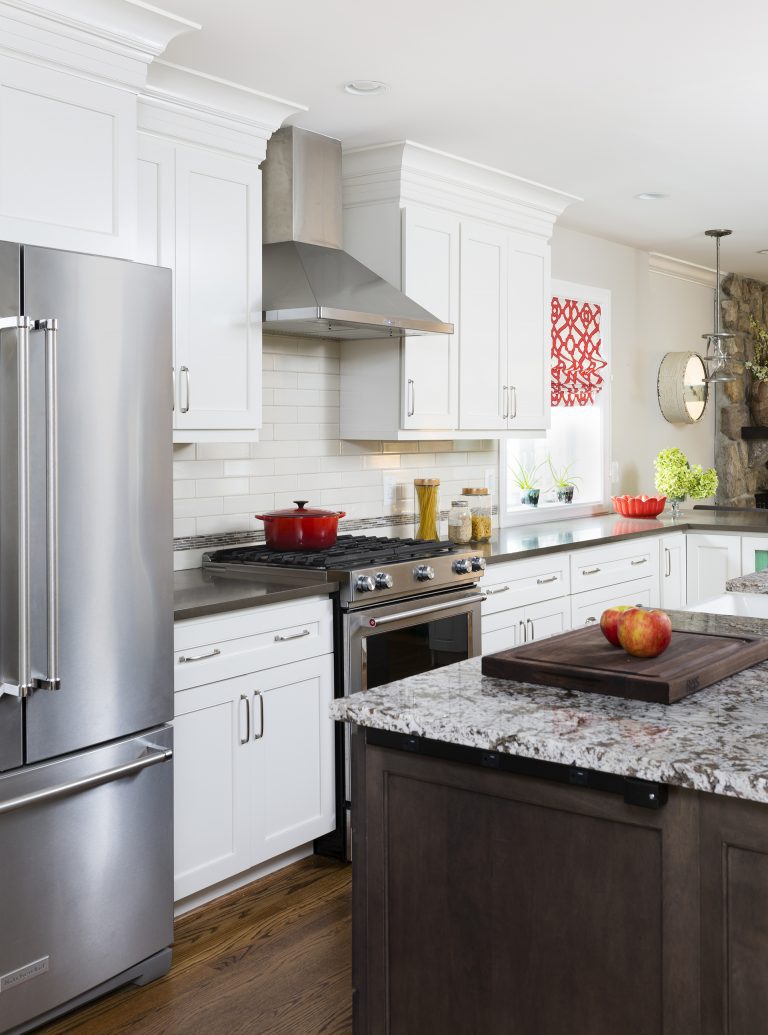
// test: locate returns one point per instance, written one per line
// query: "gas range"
(366, 567)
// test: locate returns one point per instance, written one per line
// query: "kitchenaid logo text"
(22, 974)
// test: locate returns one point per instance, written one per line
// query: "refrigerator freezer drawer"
(86, 852)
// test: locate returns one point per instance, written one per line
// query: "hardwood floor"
(274, 957)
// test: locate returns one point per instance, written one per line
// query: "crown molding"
(406, 172)
(197, 108)
(669, 266)
(110, 41)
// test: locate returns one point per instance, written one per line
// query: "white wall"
(652, 314)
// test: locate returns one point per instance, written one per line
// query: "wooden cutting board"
(584, 660)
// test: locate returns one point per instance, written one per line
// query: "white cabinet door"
(483, 392)
(547, 618)
(711, 560)
(218, 294)
(212, 789)
(294, 757)
(672, 551)
(68, 161)
(503, 630)
(587, 607)
(529, 346)
(430, 398)
(754, 553)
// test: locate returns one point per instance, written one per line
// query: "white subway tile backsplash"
(222, 487)
(274, 483)
(184, 451)
(280, 414)
(221, 450)
(295, 432)
(198, 507)
(198, 469)
(281, 379)
(184, 526)
(235, 468)
(252, 504)
(223, 523)
(183, 488)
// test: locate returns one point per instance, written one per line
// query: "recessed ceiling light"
(651, 195)
(365, 87)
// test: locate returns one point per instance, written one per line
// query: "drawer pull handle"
(667, 562)
(590, 621)
(279, 638)
(589, 571)
(643, 560)
(549, 578)
(501, 589)
(199, 657)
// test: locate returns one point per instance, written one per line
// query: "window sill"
(526, 515)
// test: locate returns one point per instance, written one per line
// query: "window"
(577, 442)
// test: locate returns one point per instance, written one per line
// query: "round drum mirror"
(681, 387)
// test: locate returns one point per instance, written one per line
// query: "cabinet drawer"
(615, 563)
(587, 607)
(210, 649)
(518, 583)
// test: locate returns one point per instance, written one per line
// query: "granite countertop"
(757, 582)
(197, 593)
(715, 740)
(549, 537)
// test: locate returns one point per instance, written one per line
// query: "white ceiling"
(599, 98)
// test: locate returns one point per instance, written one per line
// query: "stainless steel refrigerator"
(86, 633)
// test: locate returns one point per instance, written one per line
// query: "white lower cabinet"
(711, 560)
(526, 600)
(587, 607)
(672, 591)
(254, 749)
(518, 625)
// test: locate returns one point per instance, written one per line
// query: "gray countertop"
(547, 537)
(757, 582)
(715, 740)
(197, 593)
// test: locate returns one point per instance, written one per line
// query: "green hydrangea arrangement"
(758, 367)
(675, 478)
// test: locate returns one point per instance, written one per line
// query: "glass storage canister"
(481, 508)
(427, 507)
(459, 522)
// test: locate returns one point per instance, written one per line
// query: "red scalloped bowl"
(639, 506)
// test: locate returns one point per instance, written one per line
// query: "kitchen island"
(533, 860)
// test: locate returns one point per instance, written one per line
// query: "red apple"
(644, 634)
(609, 623)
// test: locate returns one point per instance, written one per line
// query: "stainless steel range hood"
(311, 286)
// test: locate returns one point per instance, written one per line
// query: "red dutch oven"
(301, 529)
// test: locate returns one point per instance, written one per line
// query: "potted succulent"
(676, 479)
(563, 482)
(758, 369)
(525, 479)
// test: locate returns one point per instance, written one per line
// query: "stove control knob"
(463, 566)
(384, 581)
(424, 573)
(365, 584)
(478, 564)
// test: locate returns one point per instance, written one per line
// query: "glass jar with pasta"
(427, 507)
(481, 509)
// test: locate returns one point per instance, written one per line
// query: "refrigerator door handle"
(22, 325)
(50, 327)
(85, 782)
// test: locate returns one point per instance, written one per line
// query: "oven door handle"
(450, 605)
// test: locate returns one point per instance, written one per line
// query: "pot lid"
(301, 511)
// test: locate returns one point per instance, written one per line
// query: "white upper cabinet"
(471, 245)
(200, 146)
(69, 76)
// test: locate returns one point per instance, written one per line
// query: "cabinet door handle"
(199, 657)
(411, 397)
(505, 406)
(513, 390)
(247, 737)
(529, 622)
(549, 578)
(280, 638)
(642, 560)
(667, 562)
(590, 621)
(523, 634)
(501, 589)
(173, 389)
(589, 571)
(260, 734)
(184, 407)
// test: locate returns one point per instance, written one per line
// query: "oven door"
(408, 638)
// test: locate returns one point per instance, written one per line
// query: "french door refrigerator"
(86, 612)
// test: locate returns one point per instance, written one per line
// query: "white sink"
(744, 605)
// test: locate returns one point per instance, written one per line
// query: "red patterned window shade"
(576, 359)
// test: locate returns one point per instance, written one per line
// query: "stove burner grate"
(348, 553)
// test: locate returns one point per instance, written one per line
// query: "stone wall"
(742, 467)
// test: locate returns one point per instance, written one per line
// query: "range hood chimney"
(311, 287)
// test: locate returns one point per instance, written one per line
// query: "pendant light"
(716, 358)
